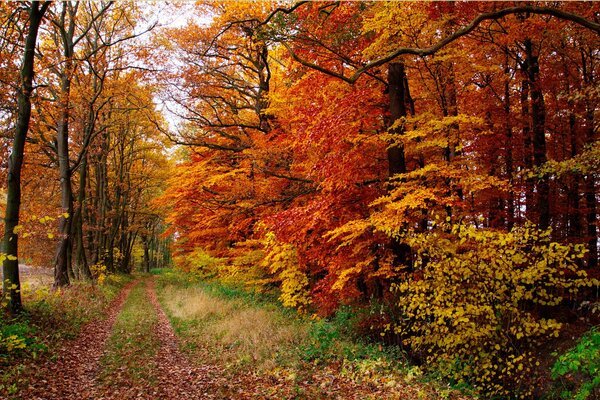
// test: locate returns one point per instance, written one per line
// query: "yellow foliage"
(202, 264)
(282, 259)
(99, 272)
(350, 231)
(469, 304)
(11, 343)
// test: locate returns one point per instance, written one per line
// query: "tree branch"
(422, 52)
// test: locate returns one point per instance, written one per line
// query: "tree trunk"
(78, 218)
(146, 259)
(574, 211)
(395, 153)
(396, 159)
(538, 125)
(508, 152)
(591, 206)
(10, 267)
(62, 260)
(591, 202)
(527, 154)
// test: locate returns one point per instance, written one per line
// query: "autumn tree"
(10, 265)
(80, 52)
(406, 144)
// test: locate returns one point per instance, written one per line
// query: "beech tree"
(10, 263)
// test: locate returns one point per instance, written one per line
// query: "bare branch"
(422, 52)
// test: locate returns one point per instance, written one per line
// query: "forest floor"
(164, 338)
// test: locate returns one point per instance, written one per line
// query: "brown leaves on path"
(165, 372)
(72, 374)
(173, 376)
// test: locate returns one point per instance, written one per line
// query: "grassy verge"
(290, 356)
(49, 318)
(133, 344)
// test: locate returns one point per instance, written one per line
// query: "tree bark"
(397, 84)
(527, 152)
(508, 152)
(62, 261)
(591, 202)
(538, 127)
(78, 218)
(395, 153)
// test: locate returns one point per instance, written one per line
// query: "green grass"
(133, 344)
(196, 305)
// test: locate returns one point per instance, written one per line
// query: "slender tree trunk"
(527, 153)
(395, 153)
(591, 201)
(10, 267)
(508, 151)
(64, 250)
(146, 259)
(397, 83)
(264, 75)
(538, 125)
(78, 219)
(574, 211)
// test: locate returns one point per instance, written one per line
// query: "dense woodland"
(433, 165)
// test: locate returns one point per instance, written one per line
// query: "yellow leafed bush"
(11, 343)
(99, 272)
(282, 259)
(477, 302)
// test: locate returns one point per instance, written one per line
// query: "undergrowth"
(240, 329)
(578, 370)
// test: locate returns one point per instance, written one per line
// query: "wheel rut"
(72, 374)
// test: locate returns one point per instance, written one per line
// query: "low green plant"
(323, 337)
(578, 370)
(157, 271)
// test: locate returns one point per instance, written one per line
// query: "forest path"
(164, 372)
(232, 349)
(107, 361)
(72, 374)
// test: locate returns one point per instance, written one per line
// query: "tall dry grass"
(235, 332)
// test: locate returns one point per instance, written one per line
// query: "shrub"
(579, 368)
(470, 307)
(200, 263)
(282, 261)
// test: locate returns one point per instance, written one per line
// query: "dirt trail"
(178, 378)
(79, 373)
(174, 377)
(72, 374)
